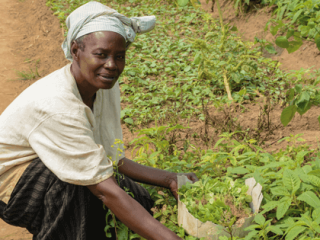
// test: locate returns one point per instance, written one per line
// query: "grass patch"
(28, 75)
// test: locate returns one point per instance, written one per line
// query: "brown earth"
(31, 37)
(29, 33)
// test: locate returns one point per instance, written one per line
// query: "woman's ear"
(74, 50)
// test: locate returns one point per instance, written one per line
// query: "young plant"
(303, 20)
(216, 200)
(300, 99)
(224, 62)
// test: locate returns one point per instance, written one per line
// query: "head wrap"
(95, 17)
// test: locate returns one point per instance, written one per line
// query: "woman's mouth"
(107, 78)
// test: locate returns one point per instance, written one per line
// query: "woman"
(56, 137)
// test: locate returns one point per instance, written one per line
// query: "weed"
(28, 75)
(31, 74)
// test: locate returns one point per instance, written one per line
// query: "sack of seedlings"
(215, 207)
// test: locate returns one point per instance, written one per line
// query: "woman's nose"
(110, 64)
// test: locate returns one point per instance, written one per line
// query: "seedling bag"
(210, 230)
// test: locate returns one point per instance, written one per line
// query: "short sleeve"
(66, 145)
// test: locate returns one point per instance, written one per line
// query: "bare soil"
(31, 38)
(29, 33)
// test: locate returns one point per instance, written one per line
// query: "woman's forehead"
(105, 39)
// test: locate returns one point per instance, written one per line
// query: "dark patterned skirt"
(54, 210)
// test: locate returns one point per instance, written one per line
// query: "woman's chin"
(107, 85)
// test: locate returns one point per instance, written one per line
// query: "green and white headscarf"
(95, 17)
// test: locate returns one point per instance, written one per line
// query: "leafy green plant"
(287, 178)
(163, 140)
(230, 62)
(300, 99)
(265, 45)
(183, 3)
(214, 199)
(262, 228)
(299, 19)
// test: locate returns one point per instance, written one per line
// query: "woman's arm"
(152, 176)
(144, 174)
(130, 212)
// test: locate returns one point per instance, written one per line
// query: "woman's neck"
(87, 94)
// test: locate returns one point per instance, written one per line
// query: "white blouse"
(49, 120)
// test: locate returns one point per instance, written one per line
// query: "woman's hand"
(173, 185)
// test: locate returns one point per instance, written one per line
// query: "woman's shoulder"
(57, 82)
(52, 94)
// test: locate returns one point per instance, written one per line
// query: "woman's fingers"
(192, 177)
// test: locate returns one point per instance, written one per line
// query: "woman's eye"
(101, 54)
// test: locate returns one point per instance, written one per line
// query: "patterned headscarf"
(95, 17)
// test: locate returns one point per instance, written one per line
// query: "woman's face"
(101, 62)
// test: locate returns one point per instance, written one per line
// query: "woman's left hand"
(173, 186)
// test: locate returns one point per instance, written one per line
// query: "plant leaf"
(315, 173)
(310, 179)
(287, 114)
(183, 3)
(282, 42)
(294, 46)
(283, 207)
(316, 215)
(290, 33)
(300, 157)
(251, 235)
(317, 40)
(279, 191)
(304, 97)
(315, 226)
(303, 107)
(239, 170)
(296, 15)
(313, 180)
(269, 206)
(275, 230)
(197, 58)
(129, 121)
(259, 218)
(270, 49)
(294, 232)
(290, 94)
(310, 198)
(291, 181)
(298, 88)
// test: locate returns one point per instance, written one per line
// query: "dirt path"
(30, 38)
(28, 42)
(9, 89)
(8, 62)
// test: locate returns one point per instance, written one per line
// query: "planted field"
(184, 87)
